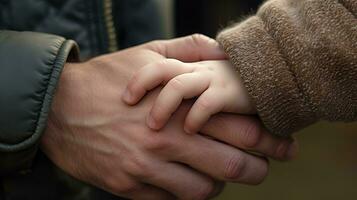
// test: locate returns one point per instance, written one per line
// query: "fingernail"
(151, 122)
(282, 149)
(187, 130)
(127, 96)
(292, 150)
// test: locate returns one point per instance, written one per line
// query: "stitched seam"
(48, 86)
(27, 142)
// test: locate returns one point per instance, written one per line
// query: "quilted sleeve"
(30, 65)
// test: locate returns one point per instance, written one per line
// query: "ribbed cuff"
(31, 64)
(265, 73)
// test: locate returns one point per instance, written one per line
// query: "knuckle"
(163, 66)
(171, 61)
(234, 167)
(155, 44)
(199, 39)
(222, 123)
(128, 188)
(205, 191)
(251, 134)
(163, 63)
(138, 167)
(153, 68)
(149, 67)
(176, 84)
(204, 103)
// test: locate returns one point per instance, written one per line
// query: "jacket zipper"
(109, 24)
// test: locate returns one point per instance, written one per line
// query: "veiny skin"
(95, 137)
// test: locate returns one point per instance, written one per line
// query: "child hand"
(218, 86)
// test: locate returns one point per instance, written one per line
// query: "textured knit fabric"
(298, 59)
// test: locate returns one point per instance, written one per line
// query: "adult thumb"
(191, 48)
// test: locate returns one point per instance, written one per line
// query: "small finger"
(191, 48)
(151, 76)
(181, 87)
(206, 105)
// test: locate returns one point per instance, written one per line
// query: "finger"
(183, 182)
(206, 105)
(222, 161)
(152, 75)
(191, 48)
(247, 132)
(181, 87)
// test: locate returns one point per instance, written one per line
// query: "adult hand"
(96, 138)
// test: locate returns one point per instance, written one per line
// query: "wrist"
(59, 132)
(58, 104)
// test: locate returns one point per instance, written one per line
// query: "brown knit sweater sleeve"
(298, 60)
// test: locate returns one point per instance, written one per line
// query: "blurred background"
(327, 164)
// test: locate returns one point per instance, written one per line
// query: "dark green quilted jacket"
(36, 38)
